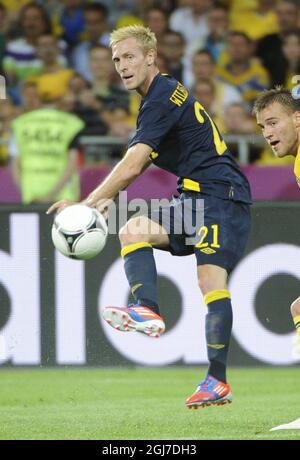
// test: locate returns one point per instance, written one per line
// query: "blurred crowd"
(56, 54)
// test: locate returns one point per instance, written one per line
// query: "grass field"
(144, 404)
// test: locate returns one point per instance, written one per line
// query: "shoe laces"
(205, 384)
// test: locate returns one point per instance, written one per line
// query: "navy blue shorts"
(215, 230)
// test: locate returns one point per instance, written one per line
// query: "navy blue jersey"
(186, 142)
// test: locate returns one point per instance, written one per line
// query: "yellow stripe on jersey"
(189, 184)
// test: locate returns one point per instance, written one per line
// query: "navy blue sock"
(218, 325)
(141, 273)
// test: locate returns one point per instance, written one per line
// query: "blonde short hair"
(278, 94)
(143, 35)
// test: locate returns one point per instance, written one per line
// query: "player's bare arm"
(135, 161)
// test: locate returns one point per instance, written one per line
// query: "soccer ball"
(79, 232)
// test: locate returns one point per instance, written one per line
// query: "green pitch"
(144, 404)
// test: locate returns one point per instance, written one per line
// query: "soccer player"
(278, 114)
(176, 133)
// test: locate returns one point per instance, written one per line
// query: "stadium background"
(50, 306)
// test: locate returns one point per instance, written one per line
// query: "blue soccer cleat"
(210, 392)
(135, 318)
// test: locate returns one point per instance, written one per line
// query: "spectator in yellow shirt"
(257, 21)
(52, 82)
(243, 70)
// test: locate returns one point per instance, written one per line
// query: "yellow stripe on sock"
(216, 346)
(296, 320)
(133, 247)
(135, 287)
(218, 294)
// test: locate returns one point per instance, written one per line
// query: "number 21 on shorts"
(208, 233)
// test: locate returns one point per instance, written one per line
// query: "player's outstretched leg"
(142, 316)
(295, 311)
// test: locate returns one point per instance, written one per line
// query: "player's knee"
(205, 283)
(131, 233)
(124, 235)
(295, 307)
(211, 278)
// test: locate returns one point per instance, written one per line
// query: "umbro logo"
(208, 251)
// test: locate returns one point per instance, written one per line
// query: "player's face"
(280, 129)
(132, 65)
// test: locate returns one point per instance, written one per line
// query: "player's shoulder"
(166, 92)
(162, 85)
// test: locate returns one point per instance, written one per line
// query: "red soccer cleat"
(135, 318)
(210, 392)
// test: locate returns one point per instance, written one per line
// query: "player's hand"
(103, 206)
(59, 206)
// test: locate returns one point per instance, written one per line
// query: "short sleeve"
(154, 122)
